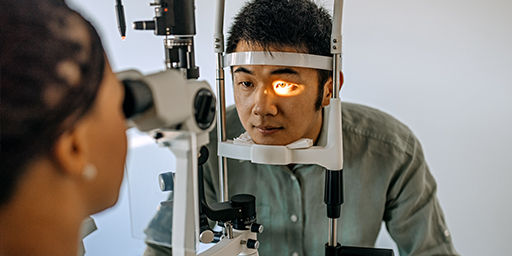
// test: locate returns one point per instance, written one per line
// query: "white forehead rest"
(290, 59)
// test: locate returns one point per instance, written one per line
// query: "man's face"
(276, 104)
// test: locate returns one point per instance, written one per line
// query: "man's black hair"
(301, 24)
(51, 67)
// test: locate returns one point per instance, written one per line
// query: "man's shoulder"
(375, 125)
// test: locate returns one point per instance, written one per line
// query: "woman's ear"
(70, 151)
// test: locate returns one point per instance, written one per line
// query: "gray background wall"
(442, 67)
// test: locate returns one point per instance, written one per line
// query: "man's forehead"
(244, 46)
(266, 69)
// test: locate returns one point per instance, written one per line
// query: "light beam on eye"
(283, 88)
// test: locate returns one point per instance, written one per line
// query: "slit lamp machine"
(178, 111)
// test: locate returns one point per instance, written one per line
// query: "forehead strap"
(290, 59)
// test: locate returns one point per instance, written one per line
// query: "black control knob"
(253, 244)
(246, 202)
(247, 205)
(256, 228)
(166, 181)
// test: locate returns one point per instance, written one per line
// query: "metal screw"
(158, 135)
(334, 41)
(334, 47)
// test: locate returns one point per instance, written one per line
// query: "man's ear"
(328, 90)
(70, 151)
(342, 80)
(326, 98)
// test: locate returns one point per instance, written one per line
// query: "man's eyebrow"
(244, 70)
(284, 71)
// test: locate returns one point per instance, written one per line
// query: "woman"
(63, 142)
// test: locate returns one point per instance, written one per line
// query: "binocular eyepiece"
(166, 100)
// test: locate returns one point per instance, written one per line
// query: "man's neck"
(320, 127)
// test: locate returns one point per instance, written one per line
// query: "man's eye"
(283, 88)
(285, 85)
(245, 84)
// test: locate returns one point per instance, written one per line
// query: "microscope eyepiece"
(137, 98)
(204, 108)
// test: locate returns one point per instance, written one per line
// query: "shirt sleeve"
(413, 216)
(157, 250)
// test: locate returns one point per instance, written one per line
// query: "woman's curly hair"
(51, 67)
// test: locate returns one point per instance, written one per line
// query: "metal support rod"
(336, 75)
(333, 239)
(218, 38)
(333, 198)
(223, 179)
(221, 128)
(334, 181)
(336, 46)
(229, 230)
(218, 35)
(336, 27)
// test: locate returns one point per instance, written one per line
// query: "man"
(386, 177)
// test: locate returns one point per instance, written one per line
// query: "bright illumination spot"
(283, 88)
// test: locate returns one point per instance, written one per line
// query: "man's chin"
(271, 140)
(269, 143)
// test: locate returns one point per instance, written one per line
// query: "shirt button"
(294, 218)
(446, 233)
(295, 254)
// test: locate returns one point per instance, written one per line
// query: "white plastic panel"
(291, 59)
(329, 156)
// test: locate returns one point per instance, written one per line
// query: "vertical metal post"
(221, 98)
(336, 45)
(336, 75)
(333, 239)
(221, 127)
(336, 51)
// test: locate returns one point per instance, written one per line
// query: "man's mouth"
(268, 130)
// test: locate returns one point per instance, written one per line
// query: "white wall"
(442, 67)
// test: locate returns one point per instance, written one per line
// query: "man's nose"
(264, 102)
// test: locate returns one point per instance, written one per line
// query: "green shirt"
(386, 179)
